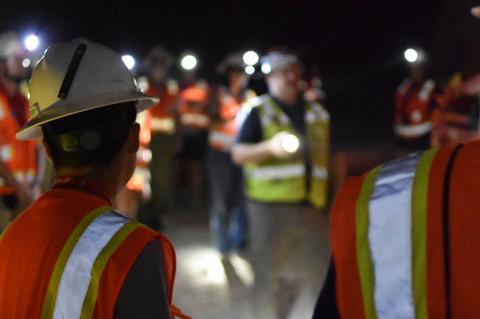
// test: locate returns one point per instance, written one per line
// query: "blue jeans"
(228, 221)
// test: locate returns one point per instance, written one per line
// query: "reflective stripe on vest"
(410, 131)
(222, 140)
(73, 286)
(391, 219)
(165, 125)
(199, 120)
(6, 153)
(286, 171)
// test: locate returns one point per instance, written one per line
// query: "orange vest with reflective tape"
(163, 113)
(405, 238)
(34, 245)
(413, 109)
(222, 133)
(192, 107)
(19, 156)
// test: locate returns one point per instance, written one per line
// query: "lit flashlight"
(290, 143)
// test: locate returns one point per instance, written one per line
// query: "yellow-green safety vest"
(284, 181)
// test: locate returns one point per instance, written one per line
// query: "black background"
(357, 45)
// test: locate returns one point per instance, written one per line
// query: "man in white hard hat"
(70, 254)
(18, 159)
(283, 146)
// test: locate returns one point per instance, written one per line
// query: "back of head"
(84, 100)
(89, 139)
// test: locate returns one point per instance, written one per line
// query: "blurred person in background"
(18, 159)
(158, 63)
(193, 124)
(228, 220)
(414, 104)
(138, 188)
(283, 145)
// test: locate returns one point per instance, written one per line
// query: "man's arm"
(144, 294)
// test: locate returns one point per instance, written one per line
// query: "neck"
(106, 178)
(287, 99)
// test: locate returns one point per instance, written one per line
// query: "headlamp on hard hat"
(277, 60)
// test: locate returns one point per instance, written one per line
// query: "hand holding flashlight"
(284, 144)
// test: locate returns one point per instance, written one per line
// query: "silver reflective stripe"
(426, 90)
(224, 139)
(195, 119)
(278, 171)
(6, 153)
(389, 235)
(413, 130)
(77, 273)
(319, 172)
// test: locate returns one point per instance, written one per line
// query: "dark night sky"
(358, 45)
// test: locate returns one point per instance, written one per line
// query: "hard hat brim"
(62, 108)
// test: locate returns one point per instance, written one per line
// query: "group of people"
(403, 236)
(90, 256)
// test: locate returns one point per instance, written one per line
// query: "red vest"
(437, 220)
(222, 133)
(19, 156)
(413, 109)
(34, 247)
(163, 113)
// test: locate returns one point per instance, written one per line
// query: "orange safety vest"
(413, 109)
(192, 107)
(222, 133)
(163, 113)
(19, 156)
(405, 238)
(38, 252)
(140, 179)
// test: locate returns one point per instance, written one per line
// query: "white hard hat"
(278, 60)
(10, 45)
(75, 77)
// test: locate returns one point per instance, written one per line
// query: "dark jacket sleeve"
(144, 294)
(326, 306)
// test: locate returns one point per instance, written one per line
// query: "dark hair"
(91, 138)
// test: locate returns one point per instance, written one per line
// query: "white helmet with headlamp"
(75, 77)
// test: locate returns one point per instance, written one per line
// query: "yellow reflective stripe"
(419, 224)
(364, 260)
(100, 264)
(51, 295)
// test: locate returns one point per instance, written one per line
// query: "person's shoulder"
(320, 111)
(255, 101)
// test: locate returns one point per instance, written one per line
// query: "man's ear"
(133, 139)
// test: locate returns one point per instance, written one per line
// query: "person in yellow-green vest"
(283, 146)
